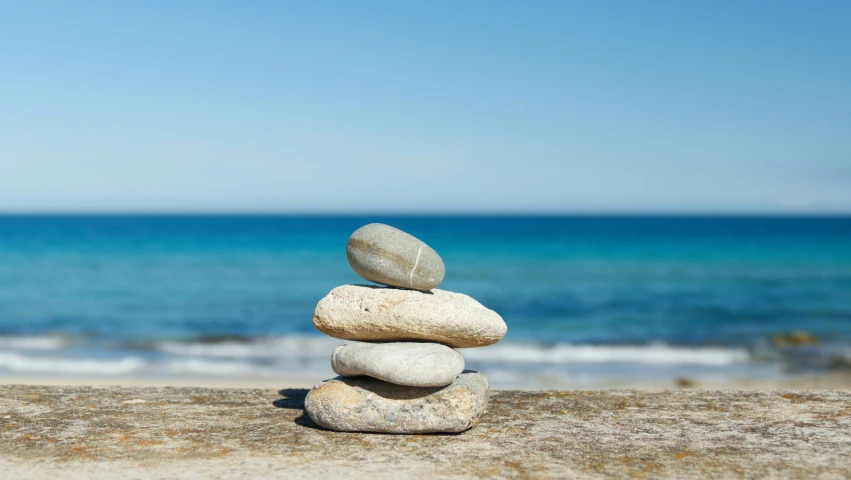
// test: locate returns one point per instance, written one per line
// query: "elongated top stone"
(363, 404)
(402, 363)
(370, 313)
(387, 255)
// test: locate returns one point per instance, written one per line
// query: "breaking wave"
(655, 354)
(296, 347)
(282, 355)
(18, 363)
(290, 347)
(34, 342)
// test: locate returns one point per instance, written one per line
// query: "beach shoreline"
(838, 380)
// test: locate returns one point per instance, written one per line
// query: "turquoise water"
(582, 295)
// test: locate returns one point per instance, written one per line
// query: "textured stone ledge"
(76, 432)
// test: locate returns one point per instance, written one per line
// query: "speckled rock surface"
(364, 404)
(200, 433)
(369, 313)
(402, 363)
(384, 254)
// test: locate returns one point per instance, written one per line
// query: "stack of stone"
(407, 377)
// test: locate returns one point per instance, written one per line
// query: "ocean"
(587, 299)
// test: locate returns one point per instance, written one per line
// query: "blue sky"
(474, 106)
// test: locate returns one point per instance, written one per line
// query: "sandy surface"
(196, 433)
(207, 382)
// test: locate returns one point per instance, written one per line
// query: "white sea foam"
(272, 356)
(15, 362)
(291, 347)
(35, 342)
(308, 348)
(655, 354)
(206, 367)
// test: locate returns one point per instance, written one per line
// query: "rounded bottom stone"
(365, 404)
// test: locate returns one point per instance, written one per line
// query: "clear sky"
(565, 106)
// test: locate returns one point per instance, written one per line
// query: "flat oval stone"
(387, 255)
(365, 404)
(402, 363)
(370, 313)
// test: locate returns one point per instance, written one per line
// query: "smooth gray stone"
(365, 404)
(387, 255)
(402, 363)
(370, 313)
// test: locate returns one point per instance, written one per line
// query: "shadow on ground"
(293, 399)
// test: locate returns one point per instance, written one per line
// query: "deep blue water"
(119, 284)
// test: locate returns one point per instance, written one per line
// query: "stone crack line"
(417, 262)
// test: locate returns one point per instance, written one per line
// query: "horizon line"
(424, 213)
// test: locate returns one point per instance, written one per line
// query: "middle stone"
(411, 364)
(368, 313)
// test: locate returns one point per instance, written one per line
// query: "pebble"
(365, 404)
(412, 364)
(370, 313)
(384, 254)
